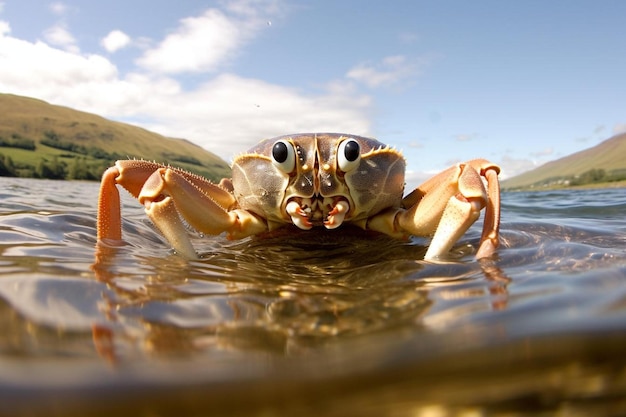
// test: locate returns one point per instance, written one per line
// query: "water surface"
(311, 323)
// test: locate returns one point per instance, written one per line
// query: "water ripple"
(300, 295)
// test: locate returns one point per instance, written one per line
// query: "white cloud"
(58, 8)
(390, 71)
(512, 167)
(414, 179)
(5, 28)
(226, 114)
(42, 71)
(205, 43)
(115, 41)
(200, 44)
(59, 35)
(229, 114)
(252, 8)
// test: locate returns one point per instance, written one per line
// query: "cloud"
(59, 35)
(39, 70)
(205, 43)
(413, 179)
(5, 28)
(229, 113)
(512, 167)
(115, 40)
(200, 44)
(225, 113)
(252, 8)
(392, 70)
(58, 8)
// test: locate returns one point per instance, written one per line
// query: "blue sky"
(520, 83)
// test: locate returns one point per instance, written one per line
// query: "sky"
(520, 83)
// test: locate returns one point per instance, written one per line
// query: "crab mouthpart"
(308, 212)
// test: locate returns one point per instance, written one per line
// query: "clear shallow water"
(311, 323)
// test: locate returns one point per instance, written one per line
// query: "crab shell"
(322, 175)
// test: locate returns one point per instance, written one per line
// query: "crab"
(310, 181)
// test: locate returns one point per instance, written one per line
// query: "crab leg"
(448, 204)
(109, 225)
(489, 240)
(167, 195)
(163, 213)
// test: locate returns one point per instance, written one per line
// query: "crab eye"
(284, 156)
(348, 155)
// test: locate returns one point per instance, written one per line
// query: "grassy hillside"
(603, 162)
(38, 139)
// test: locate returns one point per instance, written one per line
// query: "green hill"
(604, 162)
(38, 139)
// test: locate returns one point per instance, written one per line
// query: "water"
(311, 323)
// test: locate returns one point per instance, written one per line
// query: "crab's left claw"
(446, 205)
(449, 203)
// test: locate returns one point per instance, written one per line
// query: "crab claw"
(299, 217)
(337, 214)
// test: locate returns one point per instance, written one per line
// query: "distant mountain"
(38, 139)
(609, 157)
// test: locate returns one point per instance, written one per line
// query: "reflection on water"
(334, 323)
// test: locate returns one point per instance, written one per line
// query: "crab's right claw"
(168, 196)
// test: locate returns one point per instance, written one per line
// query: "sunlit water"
(311, 323)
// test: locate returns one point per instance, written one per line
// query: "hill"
(38, 139)
(602, 163)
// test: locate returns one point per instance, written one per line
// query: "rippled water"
(307, 323)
